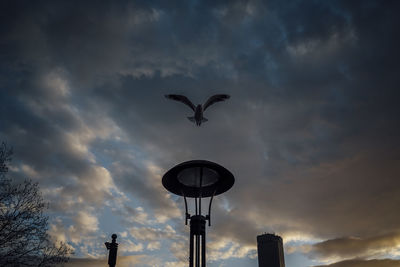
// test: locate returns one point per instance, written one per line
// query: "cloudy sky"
(311, 131)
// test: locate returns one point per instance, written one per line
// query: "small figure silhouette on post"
(112, 247)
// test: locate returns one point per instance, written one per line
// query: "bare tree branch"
(23, 226)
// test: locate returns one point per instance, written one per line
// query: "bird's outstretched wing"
(214, 99)
(182, 99)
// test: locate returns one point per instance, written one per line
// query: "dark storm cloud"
(363, 263)
(311, 131)
(352, 247)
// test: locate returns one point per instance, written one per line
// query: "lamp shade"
(198, 178)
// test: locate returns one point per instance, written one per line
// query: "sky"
(311, 131)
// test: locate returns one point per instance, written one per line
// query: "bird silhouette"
(198, 117)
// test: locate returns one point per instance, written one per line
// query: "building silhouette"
(270, 251)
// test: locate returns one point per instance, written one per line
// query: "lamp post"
(198, 179)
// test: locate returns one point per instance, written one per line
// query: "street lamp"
(198, 179)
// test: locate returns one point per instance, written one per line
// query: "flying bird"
(199, 109)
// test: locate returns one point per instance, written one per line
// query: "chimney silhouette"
(270, 251)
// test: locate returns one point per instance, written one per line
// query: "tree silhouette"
(23, 226)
